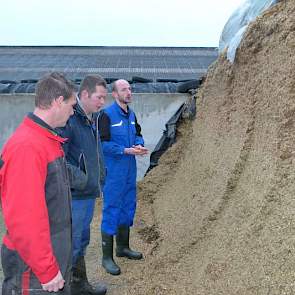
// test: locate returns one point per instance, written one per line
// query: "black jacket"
(84, 155)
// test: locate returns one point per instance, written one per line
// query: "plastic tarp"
(154, 87)
(167, 139)
(188, 111)
(237, 24)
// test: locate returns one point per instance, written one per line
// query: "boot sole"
(112, 273)
(129, 257)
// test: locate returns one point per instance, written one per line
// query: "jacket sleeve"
(138, 138)
(102, 168)
(78, 178)
(109, 147)
(25, 211)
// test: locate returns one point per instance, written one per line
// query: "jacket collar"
(121, 111)
(79, 110)
(41, 127)
(40, 122)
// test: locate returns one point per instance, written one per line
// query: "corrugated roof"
(19, 63)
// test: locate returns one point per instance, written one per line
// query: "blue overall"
(119, 202)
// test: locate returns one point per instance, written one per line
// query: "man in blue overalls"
(121, 141)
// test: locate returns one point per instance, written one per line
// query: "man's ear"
(58, 101)
(84, 94)
(114, 94)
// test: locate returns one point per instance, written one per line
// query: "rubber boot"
(80, 284)
(123, 249)
(107, 255)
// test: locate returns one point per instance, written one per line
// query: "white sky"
(114, 22)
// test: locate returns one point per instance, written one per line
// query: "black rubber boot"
(123, 249)
(107, 255)
(80, 284)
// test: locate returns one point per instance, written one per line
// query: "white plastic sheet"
(237, 24)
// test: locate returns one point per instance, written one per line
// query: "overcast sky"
(114, 22)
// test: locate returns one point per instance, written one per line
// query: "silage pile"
(220, 210)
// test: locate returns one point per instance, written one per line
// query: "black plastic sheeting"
(138, 85)
(17, 87)
(186, 110)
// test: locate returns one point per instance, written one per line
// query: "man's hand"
(55, 284)
(136, 150)
(141, 149)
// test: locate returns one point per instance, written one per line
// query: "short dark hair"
(51, 87)
(90, 82)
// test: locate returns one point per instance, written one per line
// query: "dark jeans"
(82, 214)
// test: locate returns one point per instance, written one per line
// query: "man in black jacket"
(86, 169)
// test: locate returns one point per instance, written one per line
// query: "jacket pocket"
(78, 175)
(82, 163)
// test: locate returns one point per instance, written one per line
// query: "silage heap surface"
(217, 215)
(222, 202)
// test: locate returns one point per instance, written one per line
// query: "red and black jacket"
(36, 200)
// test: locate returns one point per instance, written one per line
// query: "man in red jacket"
(35, 196)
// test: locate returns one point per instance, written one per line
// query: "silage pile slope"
(226, 215)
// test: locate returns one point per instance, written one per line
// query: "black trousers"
(19, 279)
